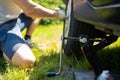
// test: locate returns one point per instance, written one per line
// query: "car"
(89, 26)
(94, 19)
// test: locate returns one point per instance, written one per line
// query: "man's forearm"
(35, 10)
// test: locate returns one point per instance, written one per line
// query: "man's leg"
(18, 53)
(23, 57)
(14, 47)
(31, 28)
(29, 32)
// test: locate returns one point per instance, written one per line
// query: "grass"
(49, 40)
(110, 55)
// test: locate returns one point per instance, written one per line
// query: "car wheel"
(71, 29)
(75, 28)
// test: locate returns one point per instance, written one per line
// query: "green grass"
(110, 56)
(49, 40)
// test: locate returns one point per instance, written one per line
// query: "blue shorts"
(10, 34)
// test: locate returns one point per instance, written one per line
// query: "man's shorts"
(10, 34)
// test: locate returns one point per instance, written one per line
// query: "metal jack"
(52, 74)
(81, 39)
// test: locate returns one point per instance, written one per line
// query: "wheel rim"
(67, 20)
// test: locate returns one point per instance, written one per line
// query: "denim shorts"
(10, 34)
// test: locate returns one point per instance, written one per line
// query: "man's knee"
(24, 57)
(26, 63)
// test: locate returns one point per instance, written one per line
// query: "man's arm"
(35, 10)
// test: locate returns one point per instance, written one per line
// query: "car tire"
(75, 28)
(71, 29)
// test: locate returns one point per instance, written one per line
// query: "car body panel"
(103, 16)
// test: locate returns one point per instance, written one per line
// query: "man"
(12, 21)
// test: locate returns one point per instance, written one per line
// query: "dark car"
(89, 26)
(92, 18)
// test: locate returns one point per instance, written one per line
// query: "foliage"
(51, 4)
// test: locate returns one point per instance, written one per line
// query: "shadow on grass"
(2, 65)
(110, 57)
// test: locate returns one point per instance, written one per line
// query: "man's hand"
(61, 13)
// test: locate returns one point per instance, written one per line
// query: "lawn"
(48, 40)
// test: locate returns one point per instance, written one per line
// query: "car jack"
(89, 51)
